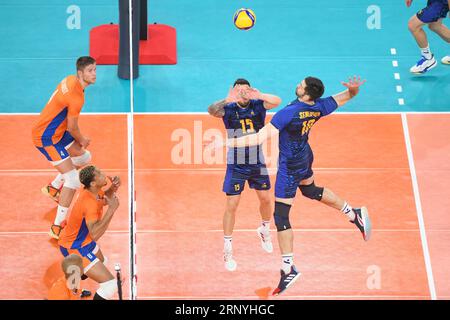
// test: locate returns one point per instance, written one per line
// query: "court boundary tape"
(415, 186)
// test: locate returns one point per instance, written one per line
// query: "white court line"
(415, 186)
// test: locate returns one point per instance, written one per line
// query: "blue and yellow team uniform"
(435, 10)
(296, 157)
(245, 164)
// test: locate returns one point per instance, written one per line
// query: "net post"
(124, 39)
(143, 20)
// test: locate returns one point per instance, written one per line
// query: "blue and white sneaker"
(362, 221)
(424, 65)
(446, 60)
(286, 280)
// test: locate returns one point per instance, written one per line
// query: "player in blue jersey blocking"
(292, 124)
(243, 112)
(432, 14)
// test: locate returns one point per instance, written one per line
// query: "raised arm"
(98, 228)
(265, 133)
(352, 90)
(217, 109)
(270, 100)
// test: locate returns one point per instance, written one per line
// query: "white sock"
(426, 52)
(347, 210)
(61, 215)
(266, 226)
(58, 182)
(287, 260)
(227, 242)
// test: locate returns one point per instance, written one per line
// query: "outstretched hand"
(253, 93)
(353, 84)
(233, 95)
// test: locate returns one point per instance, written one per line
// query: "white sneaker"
(424, 65)
(230, 264)
(446, 60)
(266, 241)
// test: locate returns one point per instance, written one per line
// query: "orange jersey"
(66, 101)
(59, 291)
(87, 208)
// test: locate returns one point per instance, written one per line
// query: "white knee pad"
(71, 179)
(82, 160)
(107, 289)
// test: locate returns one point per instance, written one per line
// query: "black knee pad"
(312, 191)
(281, 216)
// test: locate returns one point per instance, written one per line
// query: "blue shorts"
(87, 253)
(236, 175)
(435, 10)
(290, 173)
(57, 151)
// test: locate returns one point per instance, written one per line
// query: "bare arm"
(265, 133)
(74, 130)
(97, 229)
(352, 90)
(270, 100)
(217, 108)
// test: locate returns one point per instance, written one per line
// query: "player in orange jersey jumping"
(57, 136)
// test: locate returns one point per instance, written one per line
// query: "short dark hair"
(314, 88)
(241, 81)
(83, 62)
(87, 175)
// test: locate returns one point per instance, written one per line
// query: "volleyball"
(244, 19)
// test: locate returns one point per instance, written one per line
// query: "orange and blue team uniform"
(60, 291)
(50, 135)
(75, 237)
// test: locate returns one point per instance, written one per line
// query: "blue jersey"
(294, 123)
(244, 121)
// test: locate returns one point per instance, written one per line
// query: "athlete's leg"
(358, 216)
(415, 26)
(108, 284)
(80, 156)
(265, 210)
(427, 15)
(229, 216)
(71, 184)
(289, 273)
(281, 217)
(326, 196)
(441, 29)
